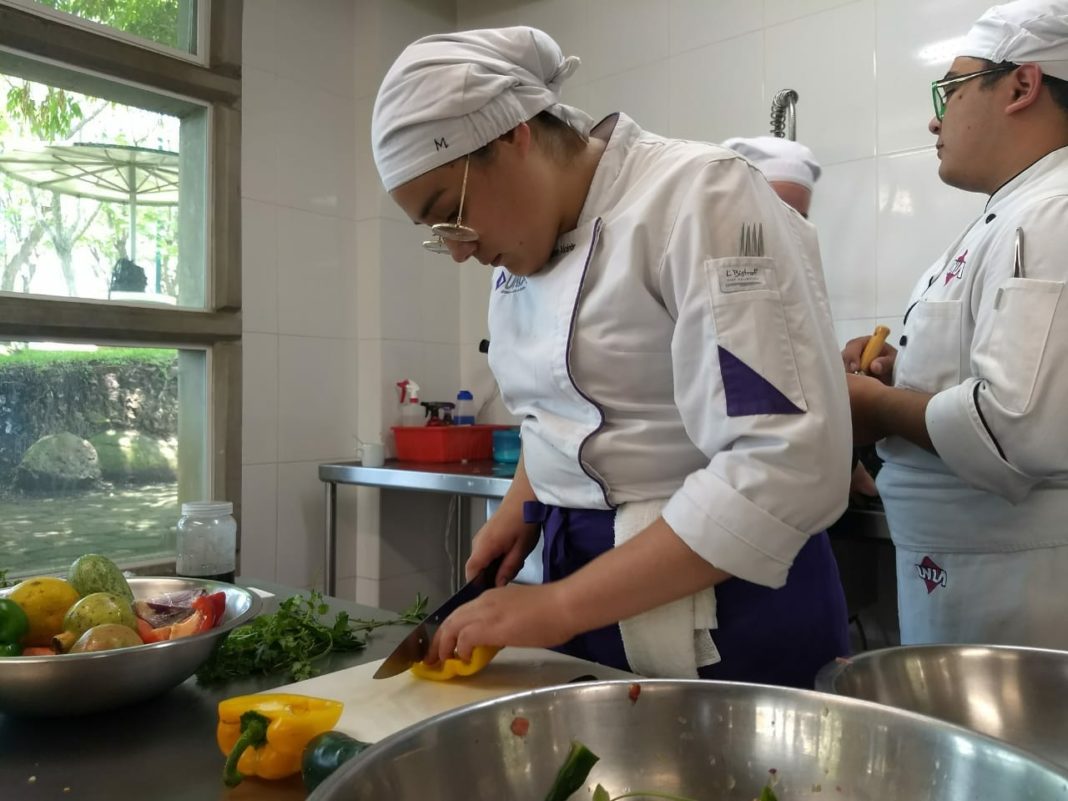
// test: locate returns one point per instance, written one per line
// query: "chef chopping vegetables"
(970, 408)
(659, 321)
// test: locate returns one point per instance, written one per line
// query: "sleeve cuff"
(963, 441)
(732, 533)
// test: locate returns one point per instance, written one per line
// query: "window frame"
(52, 38)
(203, 29)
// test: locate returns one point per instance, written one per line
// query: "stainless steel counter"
(162, 749)
(482, 479)
(488, 479)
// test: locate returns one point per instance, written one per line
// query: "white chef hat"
(779, 159)
(449, 94)
(1024, 32)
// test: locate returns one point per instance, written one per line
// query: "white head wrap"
(1024, 32)
(450, 94)
(779, 159)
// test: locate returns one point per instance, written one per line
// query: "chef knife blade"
(413, 648)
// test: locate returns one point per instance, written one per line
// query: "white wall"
(299, 282)
(340, 301)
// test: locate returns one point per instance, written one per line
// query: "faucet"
(784, 114)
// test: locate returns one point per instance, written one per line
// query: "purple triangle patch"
(748, 392)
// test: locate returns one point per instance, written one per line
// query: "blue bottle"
(465, 409)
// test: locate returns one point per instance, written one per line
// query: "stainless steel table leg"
(330, 571)
(458, 578)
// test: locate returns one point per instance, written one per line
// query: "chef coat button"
(990, 218)
(903, 341)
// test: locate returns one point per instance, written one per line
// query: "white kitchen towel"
(671, 641)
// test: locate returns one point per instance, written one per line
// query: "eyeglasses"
(452, 232)
(940, 95)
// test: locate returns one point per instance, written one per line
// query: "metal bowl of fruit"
(171, 644)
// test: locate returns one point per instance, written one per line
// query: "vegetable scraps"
(292, 638)
(576, 769)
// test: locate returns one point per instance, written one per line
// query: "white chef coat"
(648, 359)
(982, 528)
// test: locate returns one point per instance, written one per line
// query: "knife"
(414, 647)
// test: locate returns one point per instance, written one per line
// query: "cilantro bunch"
(291, 639)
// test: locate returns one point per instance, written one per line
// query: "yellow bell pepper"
(451, 668)
(264, 735)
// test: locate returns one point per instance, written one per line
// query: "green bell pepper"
(10, 649)
(325, 753)
(13, 622)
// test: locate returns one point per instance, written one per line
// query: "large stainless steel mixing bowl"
(1015, 694)
(714, 741)
(74, 684)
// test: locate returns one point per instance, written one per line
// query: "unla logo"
(931, 573)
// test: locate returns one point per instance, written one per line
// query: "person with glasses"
(969, 408)
(659, 322)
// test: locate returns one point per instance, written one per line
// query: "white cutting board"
(374, 709)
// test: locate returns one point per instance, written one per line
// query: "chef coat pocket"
(930, 361)
(756, 353)
(1023, 316)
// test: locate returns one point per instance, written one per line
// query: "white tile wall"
(340, 302)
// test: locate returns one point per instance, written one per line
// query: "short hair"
(562, 142)
(1058, 88)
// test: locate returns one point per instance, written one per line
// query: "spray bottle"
(411, 410)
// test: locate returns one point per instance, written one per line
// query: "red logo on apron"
(958, 270)
(933, 575)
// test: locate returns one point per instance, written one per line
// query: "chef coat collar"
(624, 134)
(1052, 160)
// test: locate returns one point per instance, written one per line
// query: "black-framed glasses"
(452, 232)
(942, 90)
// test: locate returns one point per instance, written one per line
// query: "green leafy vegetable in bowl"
(576, 769)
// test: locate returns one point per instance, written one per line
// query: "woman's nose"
(461, 251)
(934, 126)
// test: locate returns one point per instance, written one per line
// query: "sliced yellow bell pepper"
(451, 668)
(264, 735)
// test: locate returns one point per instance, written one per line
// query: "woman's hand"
(881, 367)
(505, 535)
(531, 616)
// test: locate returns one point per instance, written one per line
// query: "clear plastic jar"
(207, 541)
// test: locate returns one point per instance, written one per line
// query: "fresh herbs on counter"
(292, 638)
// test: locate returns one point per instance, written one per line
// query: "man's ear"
(1026, 84)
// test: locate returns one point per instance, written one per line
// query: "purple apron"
(769, 636)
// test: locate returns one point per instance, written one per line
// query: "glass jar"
(207, 541)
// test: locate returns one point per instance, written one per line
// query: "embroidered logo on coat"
(957, 270)
(510, 284)
(931, 574)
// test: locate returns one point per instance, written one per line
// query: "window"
(120, 379)
(170, 25)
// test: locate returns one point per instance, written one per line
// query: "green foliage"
(155, 20)
(52, 117)
(291, 639)
(163, 357)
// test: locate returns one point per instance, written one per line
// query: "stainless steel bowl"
(699, 739)
(1014, 694)
(74, 684)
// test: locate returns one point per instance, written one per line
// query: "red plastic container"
(444, 443)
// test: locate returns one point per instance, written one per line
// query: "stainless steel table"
(162, 749)
(482, 479)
